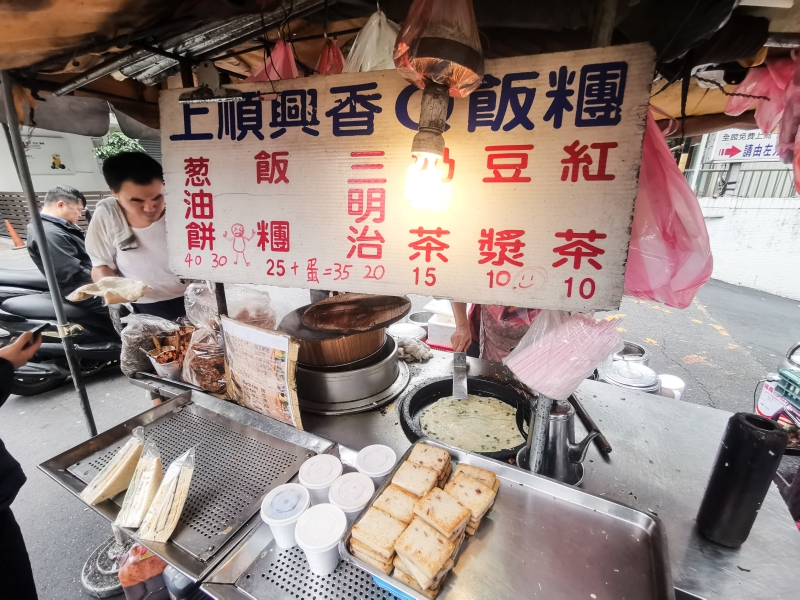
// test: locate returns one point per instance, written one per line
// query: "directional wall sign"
(736, 145)
(303, 184)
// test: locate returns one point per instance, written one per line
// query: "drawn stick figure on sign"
(239, 241)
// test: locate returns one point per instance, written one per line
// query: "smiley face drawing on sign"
(239, 241)
(530, 279)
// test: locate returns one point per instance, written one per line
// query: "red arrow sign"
(732, 151)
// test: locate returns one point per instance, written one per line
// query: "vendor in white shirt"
(128, 234)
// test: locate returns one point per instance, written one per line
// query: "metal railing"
(752, 183)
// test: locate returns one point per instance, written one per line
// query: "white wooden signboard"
(306, 188)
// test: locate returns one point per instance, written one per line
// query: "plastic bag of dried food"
(373, 46)
(204, 362)
(439, 42)
(137, 336)
(251, 305)
(200, 302)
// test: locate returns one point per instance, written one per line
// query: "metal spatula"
(460, 375)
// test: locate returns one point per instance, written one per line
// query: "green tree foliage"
(117, 142)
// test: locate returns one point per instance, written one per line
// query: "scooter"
(26, 304)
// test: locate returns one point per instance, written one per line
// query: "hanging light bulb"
(425, 188)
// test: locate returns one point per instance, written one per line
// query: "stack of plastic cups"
(282, 508)
(376, 462)
(318, 533)
(351, 492)
(317, 474)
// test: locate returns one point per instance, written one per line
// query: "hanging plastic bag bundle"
(142, 489)
(331, 60)
(561, 350)
(669, 257)
(165, 510)
(769, 81)
(439, 42)
(117, 474)
(278, 65)
(374, 45)
(251, 304)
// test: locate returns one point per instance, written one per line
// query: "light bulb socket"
(432, 120)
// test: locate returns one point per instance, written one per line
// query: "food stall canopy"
(124, 53)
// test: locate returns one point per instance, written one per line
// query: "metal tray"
(236, 467)
(544, 538)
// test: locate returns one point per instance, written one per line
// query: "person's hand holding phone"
(22, 350)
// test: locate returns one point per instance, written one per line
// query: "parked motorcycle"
(24, 304)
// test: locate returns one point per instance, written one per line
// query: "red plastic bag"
(769, 81)
(670, 255)
(440, 27)
(140, 573)
(331, 61)
(279, 65)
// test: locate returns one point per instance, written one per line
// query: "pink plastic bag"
(670, 255)
(279, 65)
(560, 350)
(331, 61)
(769, 81)
(791, 116)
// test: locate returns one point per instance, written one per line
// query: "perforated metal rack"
(237, 463)
(284, 575)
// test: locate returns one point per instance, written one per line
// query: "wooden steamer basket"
(344, 328)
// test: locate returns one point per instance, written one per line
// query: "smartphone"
(37, 332)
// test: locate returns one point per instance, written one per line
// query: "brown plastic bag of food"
(204, 362)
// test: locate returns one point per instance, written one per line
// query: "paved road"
(721, 346)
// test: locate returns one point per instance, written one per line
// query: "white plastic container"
(440, 329)
(671, 386)
(318, 533)
(282, 508)
(376, 462)
(317, 474)
(351, 492)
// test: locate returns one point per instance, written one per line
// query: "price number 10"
(585, 289)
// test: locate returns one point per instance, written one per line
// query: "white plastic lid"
(320, 471)
(320, 528)
(376, 460)
(285, 504)
(351, 492)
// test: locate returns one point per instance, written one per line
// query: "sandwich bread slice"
(116, 476)
(397, 502)
(414, 478)
(384, 567)
(432, 457)
(443, 512)
(378, 531)
(471, 493)
(487, 478)
(424, 550)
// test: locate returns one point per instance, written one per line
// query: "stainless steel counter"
(663, 451)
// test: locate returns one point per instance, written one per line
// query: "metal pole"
(47, 262)
(698, 162)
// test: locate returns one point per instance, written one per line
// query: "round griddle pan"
(419, 397)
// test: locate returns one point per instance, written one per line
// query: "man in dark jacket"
(16, 576)
(63, 206)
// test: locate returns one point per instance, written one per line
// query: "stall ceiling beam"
(213, 37)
